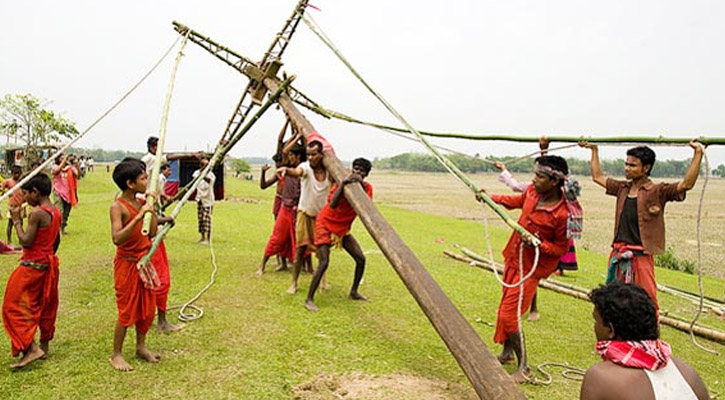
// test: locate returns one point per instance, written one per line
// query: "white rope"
(196, 311)
(80, 135)
(699, 259)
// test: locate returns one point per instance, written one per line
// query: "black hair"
(164, 166)
(628, 308)
(363, 163)
(315, 143)
(40, 182)
(58, 159)
(277, 158)
(555, 162)
(16, 168)
(152, 141)
(644, 154)
(127, 170)
(299, 150)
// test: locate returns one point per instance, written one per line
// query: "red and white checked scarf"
(642, 354)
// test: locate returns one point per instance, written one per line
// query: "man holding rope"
(550, 211)
(639, 224)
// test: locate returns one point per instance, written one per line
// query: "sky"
(559, 67)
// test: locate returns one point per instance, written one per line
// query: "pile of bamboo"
(479, 261)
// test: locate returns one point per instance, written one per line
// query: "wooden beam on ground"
(489, 379)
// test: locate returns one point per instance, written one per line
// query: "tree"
(239, 165)
(27, 117)
(719, 171)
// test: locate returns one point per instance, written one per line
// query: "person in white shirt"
(204, 201)
(314, 188)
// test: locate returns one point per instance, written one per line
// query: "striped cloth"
(204, 216)
(642, 354)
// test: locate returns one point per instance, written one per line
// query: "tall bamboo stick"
(154, 183)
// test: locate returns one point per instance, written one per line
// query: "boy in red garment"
(332, 227)
(545, 212)
(15, 200)
(31, 295)
(135, 296)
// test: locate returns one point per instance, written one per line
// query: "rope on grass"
(451, 167)
(91, 126)
(699, 261)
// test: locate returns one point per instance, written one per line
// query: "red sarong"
(282, 241)
(31, 301)
(643, 269)
(160, 261)
(136, 304)
(507, 322)
(31, 295)
(72, 187)
(336, 221)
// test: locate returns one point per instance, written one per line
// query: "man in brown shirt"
(639, 225)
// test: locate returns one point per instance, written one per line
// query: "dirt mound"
(390, 387)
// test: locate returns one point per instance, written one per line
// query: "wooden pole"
(489, 379)
(581, 294)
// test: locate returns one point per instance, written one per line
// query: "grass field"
(256, 342)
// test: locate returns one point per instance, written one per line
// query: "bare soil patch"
(388, 387)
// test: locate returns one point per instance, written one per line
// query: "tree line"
(428, 163)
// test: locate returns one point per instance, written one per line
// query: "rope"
(80, 135)
(196, 311)
(156, 168)
(699, 260)
(569, 372)
(440, 157)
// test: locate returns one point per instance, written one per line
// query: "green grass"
(256, 342)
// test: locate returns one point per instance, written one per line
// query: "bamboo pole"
(488, 378)
(156, 169)
(221, 151)
(581, 294)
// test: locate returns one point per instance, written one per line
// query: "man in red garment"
(332, 228)
(544, 213)
(135, 296)
(31, 295)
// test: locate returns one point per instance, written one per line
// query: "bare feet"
(292, 289)
(504, 358)
(534, 316)
(282, 267)
(521, 375)
(166, 327)
(44, 345)
(119, 363)
(260, 272)
(357, 296)
(311, 306)
(33, 353)
(325, 286)
(145, 354)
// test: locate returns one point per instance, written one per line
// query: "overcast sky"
(567, 67)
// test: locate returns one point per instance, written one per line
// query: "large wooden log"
(489, 379)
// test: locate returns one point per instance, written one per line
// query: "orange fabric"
(160, 261)
(547, 223)
(644, 275)
(507, 321)
(72, 187)
(336, 221)
(31, 295)
(282, 241)
(136, 304)
(17, 198)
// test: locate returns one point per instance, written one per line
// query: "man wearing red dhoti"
(332, 228)
(282, 241)
(550, 211)
(135, 297)
(31, 295)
